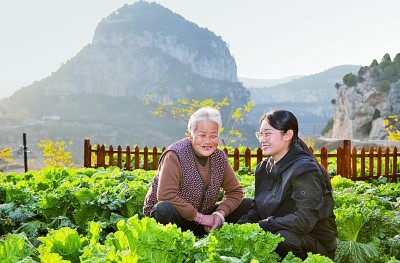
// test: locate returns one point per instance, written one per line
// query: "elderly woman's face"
(205, 138)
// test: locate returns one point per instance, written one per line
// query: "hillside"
(309, 97)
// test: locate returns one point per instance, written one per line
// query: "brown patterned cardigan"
(190, 187)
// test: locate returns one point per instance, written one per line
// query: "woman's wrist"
(220, 215)
(198, 218)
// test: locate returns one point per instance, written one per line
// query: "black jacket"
(294, 195)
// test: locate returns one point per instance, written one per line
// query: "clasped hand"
(211, 222)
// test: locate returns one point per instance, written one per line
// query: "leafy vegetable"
(244, 242)
(15, 248)
(316, 258)
(395, 246)
(65, 241)
(42, 205)
(154, 242)
(350, 251)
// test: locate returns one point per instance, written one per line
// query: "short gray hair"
(202, 114)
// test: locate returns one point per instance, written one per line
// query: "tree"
(386, 60)
(390, 124)
(362, 71)
(374, 63)
(6, 155)
(56, 153)
(388, 73)
(350, 80)
(384, 85)
(229, 134)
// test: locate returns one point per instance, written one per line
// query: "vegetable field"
(95, 215)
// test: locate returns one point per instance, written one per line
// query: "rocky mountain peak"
(365, 100)
(145, 48)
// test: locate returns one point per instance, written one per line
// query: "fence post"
(137, 157)
(101, 156)
(146, 158)
(87, 154)
(371, 162)
(247, 158)
(346, 168)
(236, 160)
(110, 156)
(260, 155)
(25, 152)
(353, 164)
(339, 161)
(379, 162)
(387, 154)
(155, 158)
(324, 157)
(128, 158)
(394, 167)
(362, 162)
(119, 158)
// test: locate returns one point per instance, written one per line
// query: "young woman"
(191, 174)
(293, 193)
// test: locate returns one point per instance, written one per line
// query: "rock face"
(147, 51)
(360, 110)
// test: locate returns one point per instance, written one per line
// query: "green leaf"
(349, 251)
(52, 257)
(14, 248)
(65, 241)
(316, 258)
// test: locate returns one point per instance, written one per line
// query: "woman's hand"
(217, 222)
(219, 219)
(208, 222)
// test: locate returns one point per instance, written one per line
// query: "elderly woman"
(293, 193)
(189, 179)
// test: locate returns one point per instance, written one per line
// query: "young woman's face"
(205, 138)
(274, 142)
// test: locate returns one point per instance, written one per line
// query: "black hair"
(284, 120)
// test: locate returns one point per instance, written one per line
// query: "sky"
(269, 39)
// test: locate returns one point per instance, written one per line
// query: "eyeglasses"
(266, 135)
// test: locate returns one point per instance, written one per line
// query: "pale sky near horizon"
(269, 39)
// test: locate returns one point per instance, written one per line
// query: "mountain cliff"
(145, 49)
(366, 99)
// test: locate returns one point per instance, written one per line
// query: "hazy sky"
(269, 39)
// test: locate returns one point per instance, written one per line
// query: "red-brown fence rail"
(350, 163)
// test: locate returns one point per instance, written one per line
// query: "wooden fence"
(350, 163)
